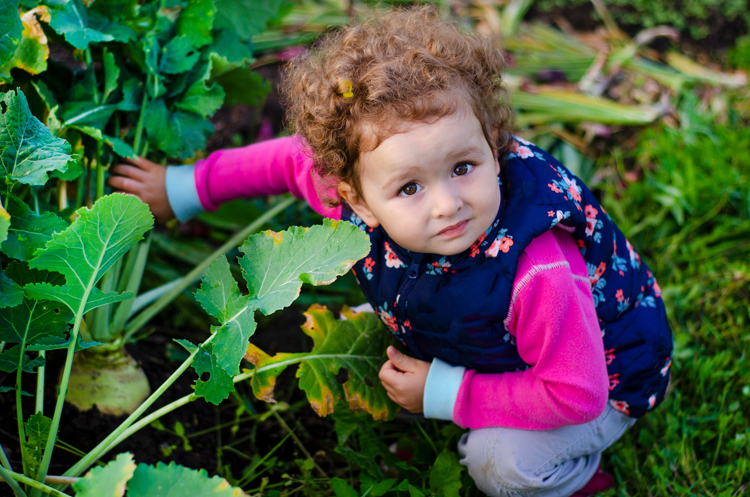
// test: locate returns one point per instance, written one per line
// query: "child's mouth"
(454, 230)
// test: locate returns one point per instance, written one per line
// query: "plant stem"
(144, 317)
(105, 444)
(6, 476)
(43, 467)
(19, 407)
(139, 126)
(40, 384)
(134, 277)
(100, 170)
(299, 443)
(38, 487)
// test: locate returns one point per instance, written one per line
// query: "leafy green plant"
(152, 74)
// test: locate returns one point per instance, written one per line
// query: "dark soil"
(83, 430)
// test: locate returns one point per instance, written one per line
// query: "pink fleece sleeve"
(553, 319)
(270, 167)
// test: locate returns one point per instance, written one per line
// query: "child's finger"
(141, 162)
(125, 184)
(128, 171)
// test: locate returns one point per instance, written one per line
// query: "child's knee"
(496, 470)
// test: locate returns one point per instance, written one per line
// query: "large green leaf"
(37, 432)
(202, 97)
(356, 344)
(29, 151)
(177, 481)
(10, 359)
(179, 55)
(31, 52)
(29, 230)
(220, 297)
(108, 481)
(196, 21)
(72, 21)
(11, 27)
(244, 86)
(276, 264)
(111, 74)
(34, 322)
(178, 134)
(245, 17)
(11, 294)
(88, 248)
(445, 476)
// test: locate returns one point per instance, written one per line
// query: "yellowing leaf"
(108, 481)
(356, 344)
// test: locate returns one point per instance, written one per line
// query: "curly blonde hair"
(358, 85)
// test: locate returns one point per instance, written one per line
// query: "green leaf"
(37, 431)
(244, 86)
(219, 384)
(245, 17)
(33, 322)
(72, 21)
(4, 224)
(177, 481)
(342, 489)
(111, 74)
(221, 298)
(196, 21)
(107, 481)
(118, 146)
(11, 26)
(29, 151)
(178, 134)
(29, 230)
(88, 248)
(11, 294)
(276, 264)
(202, 97)
(10, 359)
(415, 492)
(229, 52)
(445, 476)
(32, 51)
(179, 55)
(356, 344)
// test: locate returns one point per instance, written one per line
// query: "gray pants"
(529, 463)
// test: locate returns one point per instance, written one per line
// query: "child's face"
(433, 187)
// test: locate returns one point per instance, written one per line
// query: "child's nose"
(447, 201)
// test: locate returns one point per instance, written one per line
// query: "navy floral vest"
(453, 307)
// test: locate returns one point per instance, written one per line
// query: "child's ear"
(358, 204)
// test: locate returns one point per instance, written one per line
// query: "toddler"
(532, 320)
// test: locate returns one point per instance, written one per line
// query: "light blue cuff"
(441, 389)
(182, 193)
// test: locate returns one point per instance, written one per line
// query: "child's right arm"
(267, 168)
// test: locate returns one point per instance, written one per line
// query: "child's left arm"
(554, 322)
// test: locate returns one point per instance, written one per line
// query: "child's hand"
(145, 180)
(404, 378)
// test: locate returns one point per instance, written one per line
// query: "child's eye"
(410, 189)
(462, 169)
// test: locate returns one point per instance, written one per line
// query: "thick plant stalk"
(144, 317)
(6, 476)
(134, 277)
(40, 384)
(38, 486)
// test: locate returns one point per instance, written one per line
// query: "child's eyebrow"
(464, 152)
(401, 177)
